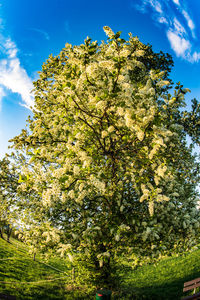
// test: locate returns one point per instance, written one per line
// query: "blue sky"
(30, 30)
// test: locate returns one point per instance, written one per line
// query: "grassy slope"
(162, 281)
(165, 279)
(21, 268)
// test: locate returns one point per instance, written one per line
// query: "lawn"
(163, 280)
(27, 279)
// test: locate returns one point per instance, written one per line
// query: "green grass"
(163, 280)
(24, 274)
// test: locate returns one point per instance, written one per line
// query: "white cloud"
(13, 76)
(10, 48)
(179, 26)
(189, 21)
(176, 2)
(162, 20)
(141, 7)
(195, 57)
(156, 5)
(179, 44)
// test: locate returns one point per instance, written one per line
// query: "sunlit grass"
(163, 280)
(20, 268)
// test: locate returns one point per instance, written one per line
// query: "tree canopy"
(109, 167)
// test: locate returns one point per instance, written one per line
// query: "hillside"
(25, 278)
(28, 279)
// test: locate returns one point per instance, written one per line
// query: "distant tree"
(110, 166)
(8, 191)
(38, 238)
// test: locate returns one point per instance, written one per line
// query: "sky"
(31, 30)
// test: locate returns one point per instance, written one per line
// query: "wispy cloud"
(176, 2)
(156, 5)
(177, 23)
(67, 27)
(178, 27)
(162, 20)
(12, 74)
(178, 44)
(42, 32)
(189, 21)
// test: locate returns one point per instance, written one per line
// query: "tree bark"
(9, 231)
(1, 233)
(104, 278)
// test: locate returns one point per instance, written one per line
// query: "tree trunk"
(104, 271)
(1, 233)
(9, 231)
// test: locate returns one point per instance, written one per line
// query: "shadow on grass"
(168, 291)
(48, 292)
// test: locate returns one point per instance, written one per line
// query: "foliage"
(109, 168)
(191, 121)
(8, 194)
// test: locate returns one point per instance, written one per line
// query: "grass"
(163, 280)
(26, 276)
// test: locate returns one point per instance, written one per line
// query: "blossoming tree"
(109, 161)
